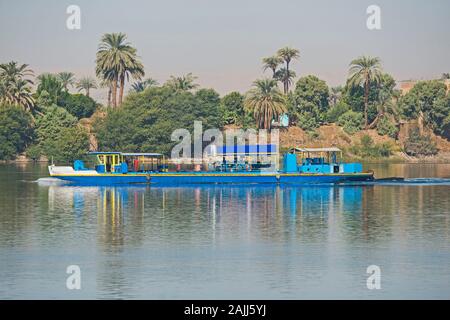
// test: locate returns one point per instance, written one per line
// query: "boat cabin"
(120, 162)
(258, 157)
(318, 160)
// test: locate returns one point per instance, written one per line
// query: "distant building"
(407, 85)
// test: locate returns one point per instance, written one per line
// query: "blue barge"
(300, 166)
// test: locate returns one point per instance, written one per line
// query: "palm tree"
(67, 79)
(104, 83)
(14, 86)
(285, 77)
(117, 61)
(86, 83)
(140, 86)
(183, 83)
(364, 71)
(445, 76)
(335, 95)
(272, 63)
(51, 84)
(287, 54)
(265, 101)
(12, 71)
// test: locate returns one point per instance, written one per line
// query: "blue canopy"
(247, 149)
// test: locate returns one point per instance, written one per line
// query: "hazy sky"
(222, 42)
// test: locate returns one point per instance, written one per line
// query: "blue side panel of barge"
(211, 178)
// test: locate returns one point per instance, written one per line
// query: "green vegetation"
(385, 127)
(428, 102)
(78, 105)
(146, 120)
(58, 136)
(266, 102)
(351, 121)
(46, 122)
(311, 99)
(419, 145)
(16, 131)
(367, 149)
(86, 84)
(365, 71)
(15, 85)
(116, 61)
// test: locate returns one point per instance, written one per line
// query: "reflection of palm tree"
(365, 71)
(265, 101)
(183, 83)
(86, 83)
(67, 79)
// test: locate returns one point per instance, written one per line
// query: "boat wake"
(50, 181)
(406, 181)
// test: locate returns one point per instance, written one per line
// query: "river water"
(226, 242)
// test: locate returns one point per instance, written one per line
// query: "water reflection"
(223, 241)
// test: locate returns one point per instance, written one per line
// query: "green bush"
(78, 105)
(307, 121)
(419, 145)
(351, 121)
(16, 131)
(387, 128)
(337, 111)
(34, 152)
(368, 149)
(51, 122)
(147, 119)
(72, 144)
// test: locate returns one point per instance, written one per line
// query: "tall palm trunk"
(109, 95)
(122, 84)
(114, 93)
(366, 102)
(87, 92)
(286, 84)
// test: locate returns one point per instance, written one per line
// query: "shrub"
(419, 145)
(77, 105)
(387, 128)
(337, 111)
(34, 152)
(16, 131)
(307, 121)
(351, 121)
(368, 149)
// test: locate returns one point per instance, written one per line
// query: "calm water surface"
(231, 242)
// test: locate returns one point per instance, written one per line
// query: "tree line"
(40, 116)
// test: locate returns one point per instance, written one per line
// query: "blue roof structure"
(247, 149)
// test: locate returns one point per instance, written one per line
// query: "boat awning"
(143, 154)
(247, 149)
(100, 153)
(331, 149)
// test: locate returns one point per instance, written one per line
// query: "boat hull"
(170, 178)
